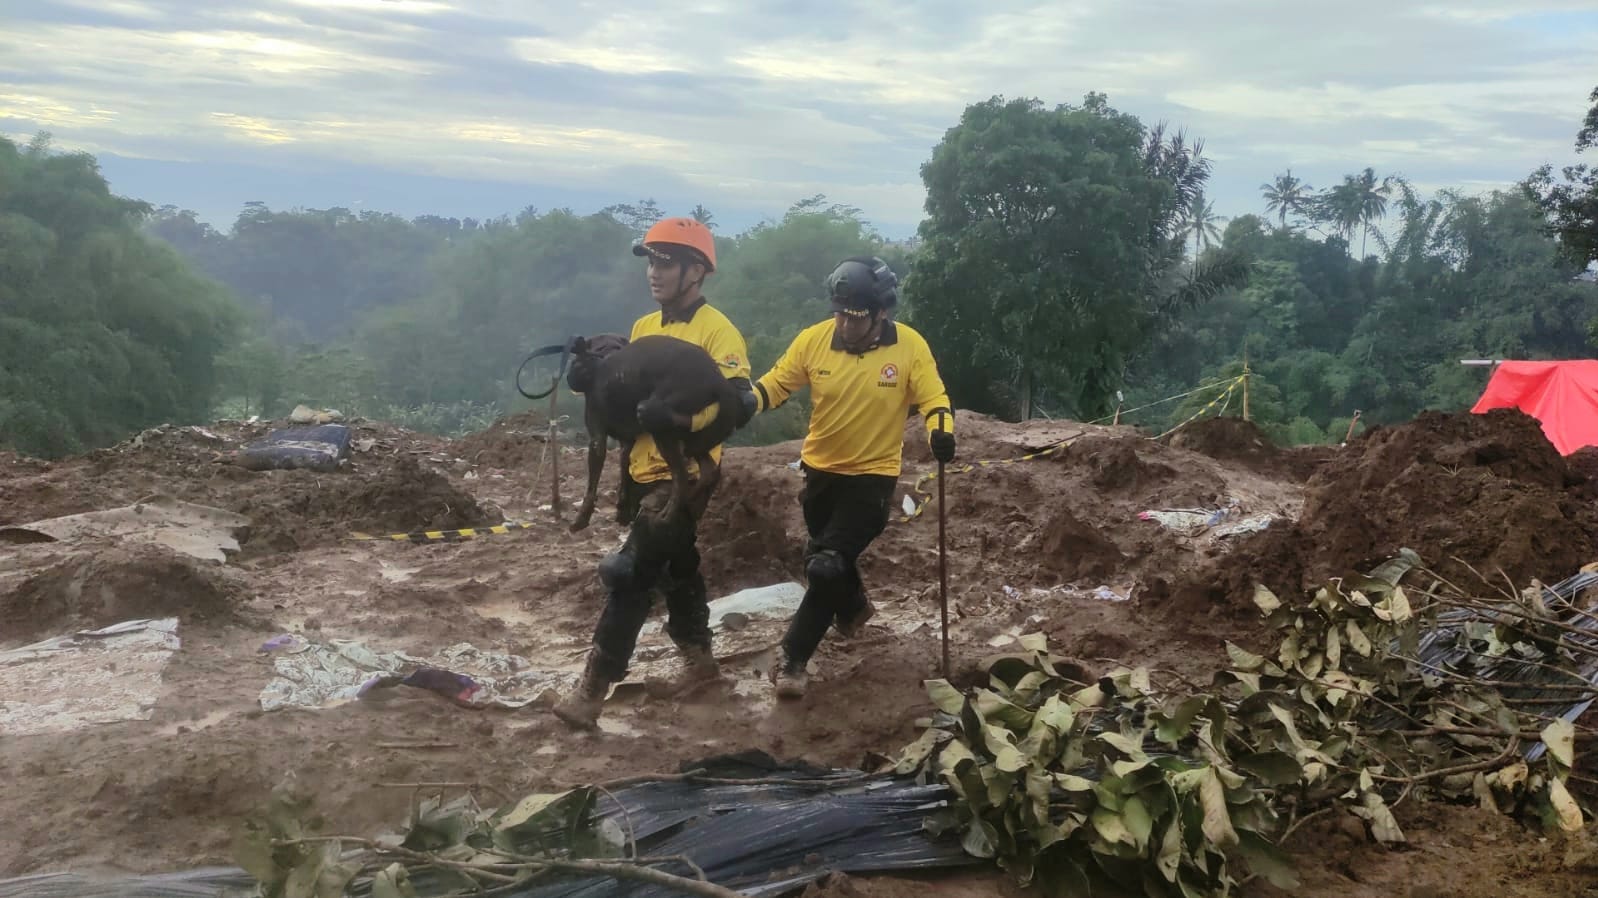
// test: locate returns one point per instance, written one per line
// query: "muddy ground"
(1054, 543)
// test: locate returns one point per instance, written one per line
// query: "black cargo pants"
(661, 555)
(844, 513)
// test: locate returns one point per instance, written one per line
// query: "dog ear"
(577, 344)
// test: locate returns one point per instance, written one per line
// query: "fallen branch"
(463, 785)
(1503, 758)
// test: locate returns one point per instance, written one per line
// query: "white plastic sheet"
(91, 677)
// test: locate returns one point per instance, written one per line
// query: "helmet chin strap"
(683, 285)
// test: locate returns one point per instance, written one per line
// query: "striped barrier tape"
(426, 536)
(1226, 395)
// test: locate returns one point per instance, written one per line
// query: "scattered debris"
(210, 534)
(85, 678)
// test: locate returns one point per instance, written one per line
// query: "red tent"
(1562, 396)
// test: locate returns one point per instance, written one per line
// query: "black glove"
(747, 402)
(942, 446)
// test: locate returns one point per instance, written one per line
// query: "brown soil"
(1472, 494)
(514, 442)
(107, 584)
(1027, 545)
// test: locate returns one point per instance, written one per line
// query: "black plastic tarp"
(762, 840)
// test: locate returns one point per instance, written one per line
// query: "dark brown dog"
(654, 385)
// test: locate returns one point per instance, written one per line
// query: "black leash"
(563, 349)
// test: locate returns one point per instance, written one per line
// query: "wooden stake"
(1245, 387)
(554, 447)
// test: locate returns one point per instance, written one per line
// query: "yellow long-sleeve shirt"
(703, 326)
(859, 402)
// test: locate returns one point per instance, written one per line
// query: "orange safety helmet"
(685, 232)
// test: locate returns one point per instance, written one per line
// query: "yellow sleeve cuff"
(702, 419)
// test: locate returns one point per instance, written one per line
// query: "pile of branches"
(1162, 789)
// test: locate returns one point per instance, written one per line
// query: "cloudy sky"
(482, 107)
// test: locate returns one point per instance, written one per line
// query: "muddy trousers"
(844, 513)
(656, 556)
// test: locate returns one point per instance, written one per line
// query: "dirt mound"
(1228, 439)
(401, 497)
(1583, 464)
(1115, 465)
(1464, 491)
(753, 533)
(1488, 488)
(512, 442)
(116, 583)
(1074, 549)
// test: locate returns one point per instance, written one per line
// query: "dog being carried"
(658, 385)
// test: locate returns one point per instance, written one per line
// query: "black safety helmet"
(861, 285)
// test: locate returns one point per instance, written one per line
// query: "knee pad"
(619, 571)
(826, 568)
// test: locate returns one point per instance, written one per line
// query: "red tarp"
(1562, 396)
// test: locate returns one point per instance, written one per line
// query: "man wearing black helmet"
(865, 371)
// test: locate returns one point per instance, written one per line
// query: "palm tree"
(1372, 202)
(703, 216)
(1287, 194)
(1202, 223)
(1342, 207)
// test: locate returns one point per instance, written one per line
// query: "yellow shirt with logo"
(705, 327)
(859, 402)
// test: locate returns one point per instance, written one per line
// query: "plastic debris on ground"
(304, 414)
(1102, 593)
(199, 531)
(1220, 523)
(321, 448)
(760, 840)
(316, 675)
(86, 678)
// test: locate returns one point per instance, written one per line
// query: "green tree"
(1287, 195)
(1052, 250)
(1203, 224)
(1571, 205)
(103, 331)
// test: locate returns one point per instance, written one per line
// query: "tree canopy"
(102, 331)
(1069, 258)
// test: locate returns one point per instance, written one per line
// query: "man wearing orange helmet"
(661, 554)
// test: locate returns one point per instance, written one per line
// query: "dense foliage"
(102, 331)
(1069, 263)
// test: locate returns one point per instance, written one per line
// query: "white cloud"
(757, 102)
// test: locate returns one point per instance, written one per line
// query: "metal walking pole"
(943, 567)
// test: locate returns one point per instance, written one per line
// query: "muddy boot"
(580, 709)
(699, 668)
(855, 625)
(790, 678)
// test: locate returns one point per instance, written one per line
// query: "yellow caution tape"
(442, 535)
(1226, 395)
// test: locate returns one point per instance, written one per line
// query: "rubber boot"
(790, 678)
(580, 709)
